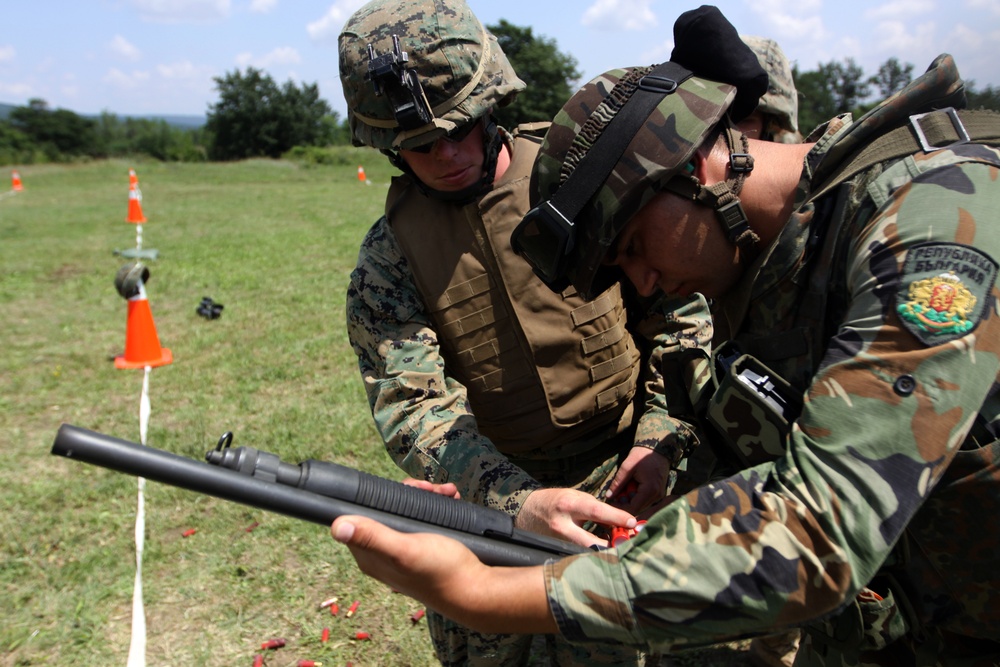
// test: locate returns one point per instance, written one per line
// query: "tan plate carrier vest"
(541, 369)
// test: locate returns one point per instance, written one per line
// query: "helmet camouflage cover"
(661, 148)
(461, 68)
(781, 99)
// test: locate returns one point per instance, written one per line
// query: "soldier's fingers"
(619, 482)
(608, 515)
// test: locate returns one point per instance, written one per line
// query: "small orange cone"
(361, 173)
(135, 215)
(15, 182)
(142, 345)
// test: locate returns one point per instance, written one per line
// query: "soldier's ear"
(710, 162)
(698, 167)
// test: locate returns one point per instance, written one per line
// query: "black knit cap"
(708, 45)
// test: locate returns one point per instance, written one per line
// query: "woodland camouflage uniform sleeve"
(421, 413)
(789, 541)
(678, 333)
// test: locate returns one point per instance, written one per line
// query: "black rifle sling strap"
(593, 170)
(926, 132)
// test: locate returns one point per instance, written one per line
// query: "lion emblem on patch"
(939, 305)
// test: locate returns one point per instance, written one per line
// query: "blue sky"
(135, 57)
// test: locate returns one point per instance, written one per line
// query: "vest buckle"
(956, 124)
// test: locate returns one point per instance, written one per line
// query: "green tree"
(816, 102)
(846, 82)
(549, 74)
(15, 146)
(59, 134)
(988, 98)
(833, 89)
(892, 77)
(153, 137)
(256, 118)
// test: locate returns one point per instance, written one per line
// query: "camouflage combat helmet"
(628, 135)
(781, 101)
(414, 70)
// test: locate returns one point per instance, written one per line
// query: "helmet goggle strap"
(724, 196)
(547, 234)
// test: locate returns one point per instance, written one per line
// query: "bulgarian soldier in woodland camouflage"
(776, 118)
(852, 385)
(478, 375)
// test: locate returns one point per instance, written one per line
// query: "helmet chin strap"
(492, 143)
(724, 196)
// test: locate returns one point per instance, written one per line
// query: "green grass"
(272, 241)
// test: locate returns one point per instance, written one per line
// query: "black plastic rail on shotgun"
(317, 491)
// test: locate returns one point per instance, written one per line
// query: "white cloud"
(182, 11)
(658, 53)
(70, 90)
(328, 27)
(800, 7)
(791, 20)
(963, 34)
(896, 37)
(124, 48)
(849, 47)
(184, 70)
(787, 26)
(7, 53)
(46, 64)
(991, 6)
(262, 6)
(120, 79)
(16, 90)
(619, 15)
(285, 55)
(974, 52)
(899, 8)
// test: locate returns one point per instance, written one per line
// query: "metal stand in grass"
(142, 350)
(136, 217)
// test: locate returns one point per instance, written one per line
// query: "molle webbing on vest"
(462, 291)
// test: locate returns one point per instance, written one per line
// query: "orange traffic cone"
(142, 345)
(361, 173)
(135, 215)
(15, 182)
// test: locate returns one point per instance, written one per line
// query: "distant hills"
(183, 122)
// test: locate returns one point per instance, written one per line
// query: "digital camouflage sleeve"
(885, 414)
(423, 414)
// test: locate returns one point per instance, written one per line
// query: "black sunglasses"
(455, 136)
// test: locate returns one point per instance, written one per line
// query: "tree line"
(837, 87)
(255, 117)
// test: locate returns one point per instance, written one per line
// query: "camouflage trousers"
(458, 646)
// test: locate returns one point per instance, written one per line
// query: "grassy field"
(274, 243)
